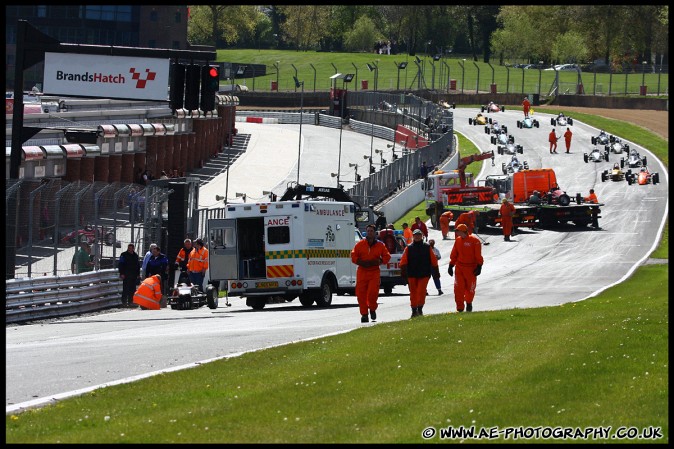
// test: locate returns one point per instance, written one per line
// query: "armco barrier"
(56, 296)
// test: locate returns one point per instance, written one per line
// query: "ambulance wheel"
(324, 295)
(306, 299)
(258, 303)
(212, 297)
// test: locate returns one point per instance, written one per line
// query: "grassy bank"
(599, 362)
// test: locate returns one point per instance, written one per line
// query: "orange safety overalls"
(507, 210)
(465, 256)
(368, 278)
(148, 294)
(417, 285)
(445, 218)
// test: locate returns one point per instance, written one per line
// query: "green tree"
(363, 36)
(221, 25)
(569, 47)
(305, 25)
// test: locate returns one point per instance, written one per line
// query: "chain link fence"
(47, 219)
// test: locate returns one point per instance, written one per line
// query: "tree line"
(616, 34)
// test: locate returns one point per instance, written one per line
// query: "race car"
(617, 146)
(616, 174)
(446, 105)
(492, 107)
(602, 138)
(494, 127)
(644, 176)
(89, 235)
(561, 120)
(509, 147)
(502, 138)
(596, 155)
(478, 120)
(185, 296)
(528, 122)
(514, 166)
(634, 160)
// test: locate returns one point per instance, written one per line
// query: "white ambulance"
(288, 249)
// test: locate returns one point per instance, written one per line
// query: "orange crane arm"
(466, 161)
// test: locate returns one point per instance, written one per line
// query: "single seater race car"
(528, 122)
(634, 160)
(446, 105)
(492, 107)
(514, 166)
(494, 127)
(561, 120)
(185, 296)
(596, 155)
(602, 138)
(617, 146)
(510, 147)
(616, 174)
(502, 138)
(645, 176)
(478, 120)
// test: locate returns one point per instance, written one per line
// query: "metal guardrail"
(55, 296)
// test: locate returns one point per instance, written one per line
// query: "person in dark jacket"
(129, 271)
(417, 264)
(158, 264)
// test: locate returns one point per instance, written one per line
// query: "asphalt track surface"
(57, 359)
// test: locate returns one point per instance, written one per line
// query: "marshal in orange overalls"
(148, 294)
(466, 255)
(368, 278)
(445, 218)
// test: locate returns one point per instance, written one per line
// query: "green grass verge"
(599, 362)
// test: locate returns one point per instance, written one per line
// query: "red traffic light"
(213, 72)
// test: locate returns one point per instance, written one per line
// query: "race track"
(539, 268)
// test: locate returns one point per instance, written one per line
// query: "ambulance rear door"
(223, 255)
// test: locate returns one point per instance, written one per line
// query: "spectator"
(158, 264)
(147, 256)
(417, 264)
(82, 260)
(129, 271)
(163, 175)
(198, 264)
(466, 255)
(436, 276)
(368, 254)
(418, 224)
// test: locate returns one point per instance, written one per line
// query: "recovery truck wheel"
(306, 299)
(324, 295)
(212, 297)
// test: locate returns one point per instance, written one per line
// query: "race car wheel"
(564, 199)
(587, 159)
(536, 124)
(212, 297)
(643, 161)
(175, 306)
(570, 121)
(470, 121)
(622, 162)
(579, 198)
(627, 147)
(486, 130)
(552, 121)
(594, 141)
(502, 108)
(519, 124)
(606, 156)
(630, 180)
(655, 178)
(482, 109)
(520, 149)
(603, 177)
(324, 295)
(388, 289)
